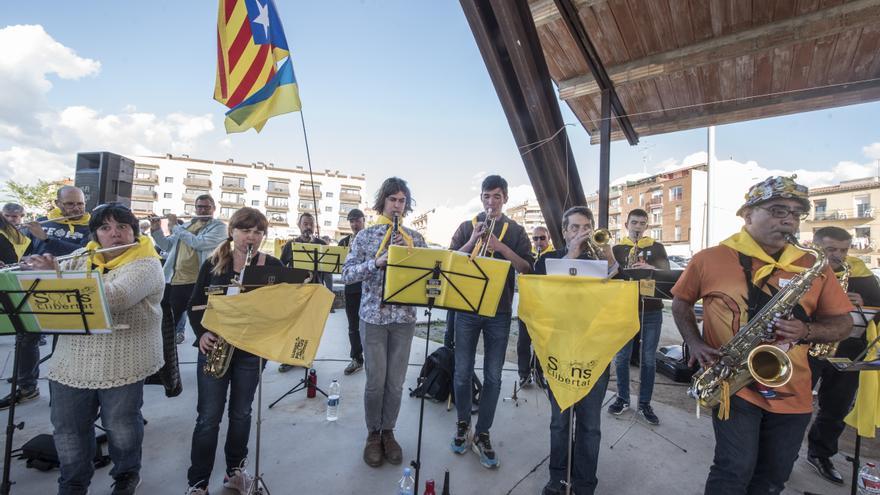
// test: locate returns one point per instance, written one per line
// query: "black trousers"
(174, 303)
(836, 395)
(352, 306)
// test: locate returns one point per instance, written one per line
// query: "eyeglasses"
(783, 212)
(539, 238)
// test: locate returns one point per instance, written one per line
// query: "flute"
(194, 217)
(66, 257)
(41, 222)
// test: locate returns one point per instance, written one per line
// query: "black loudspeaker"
(104, 177)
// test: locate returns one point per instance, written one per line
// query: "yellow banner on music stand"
(54, 302)
(282, 322)
(330, 258)
(577, 325)
(468, 285)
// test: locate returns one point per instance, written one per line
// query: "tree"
(36, 198)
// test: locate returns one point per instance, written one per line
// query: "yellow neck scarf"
(383, 220)
(744, 243)
(19, 246)
(71, 223)
(479, 243)
(857, 268)
(549, 249)
(144, 249)
(644, 242)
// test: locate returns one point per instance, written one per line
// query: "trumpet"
(595, 244)
(19, 266)
(482, 245)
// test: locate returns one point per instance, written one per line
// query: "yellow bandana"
(549, 249)
(19, 247)
(744, 243)
(56, 213)
(644, 242)
(144, 249)
(479, 242)
(858, 268)
(383, 220)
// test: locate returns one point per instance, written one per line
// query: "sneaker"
(22, 395)
(126, 484)
(647, 412)
(196, 490)
(179, 338)
(238, 479)
(353, 367)
(525, 381)
(483, 447)
(618, 407)
(553, 488)
(462, 437)
(284, 368)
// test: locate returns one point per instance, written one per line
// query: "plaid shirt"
(360, 266)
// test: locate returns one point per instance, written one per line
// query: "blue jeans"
(28, 360)
(73, 412)
(651, 321)
(495, 331)
(241, 382)
(588, 434)
(755, 449)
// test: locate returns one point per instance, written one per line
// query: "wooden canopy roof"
(682, 64)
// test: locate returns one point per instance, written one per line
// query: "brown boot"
(373, 450)
(393, 452)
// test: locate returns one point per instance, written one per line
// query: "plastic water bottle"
(406, 485)
(869, 479)
(333, 401)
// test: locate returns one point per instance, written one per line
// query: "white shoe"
(240, 480)
(194, 490)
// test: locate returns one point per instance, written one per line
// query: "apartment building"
(850, 205)
(170, 184)
(528, 214)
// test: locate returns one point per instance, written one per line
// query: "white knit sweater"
(124, 356)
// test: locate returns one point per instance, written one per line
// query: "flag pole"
(311, 176)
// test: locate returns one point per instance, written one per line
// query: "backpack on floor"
(435, 378)
(39, 453)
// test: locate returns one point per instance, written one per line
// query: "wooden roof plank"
(681, 22)
(781, 68)
(627, 28)
(646, 31)
(823, 49)
(719, 18)
(801, 60)
(763, 82)
(844, 51)
(806, 6)
(603, 35)
(727, 78)
(701, 19)
(745, 75)
(662, 22)
(787, 32)
(741, 15)
(866, 52)
(611, 32)
(762, 12)
(783, 9)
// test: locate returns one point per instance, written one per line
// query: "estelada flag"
(250, 45)
(865, 414)
(577, 325)
(282, 322)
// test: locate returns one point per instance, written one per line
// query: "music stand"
(451, 281)
(13, 311)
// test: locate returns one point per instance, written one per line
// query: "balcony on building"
(232, 202)
(859, 214)
(145, 177)
(276, 206)
(232, 184)
(305, 191)
(305, 206)
(278, 219)
(278, 189)
(655, 200)
(144, 195)
(201, 182)
(343, 225)
(350, 196)
(861, 245)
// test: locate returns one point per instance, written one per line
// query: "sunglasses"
(539, 238)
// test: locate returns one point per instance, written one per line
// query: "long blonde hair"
(243, 218)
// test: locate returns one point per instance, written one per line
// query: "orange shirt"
(716, 276)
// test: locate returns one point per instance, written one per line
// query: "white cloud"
(43, 140)
(872, 151)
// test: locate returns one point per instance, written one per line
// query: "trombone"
(20, 265)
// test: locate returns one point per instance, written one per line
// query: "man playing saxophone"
(837, 390)
(758, 442)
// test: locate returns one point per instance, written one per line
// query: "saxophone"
(633, 255)
(747, 356)
(219, 357)
(825, 350)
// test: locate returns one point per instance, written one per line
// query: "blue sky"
(388, 88)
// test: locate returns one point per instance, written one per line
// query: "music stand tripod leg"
(417, 463)
(303, 384)
(11, 426)
(258, 486)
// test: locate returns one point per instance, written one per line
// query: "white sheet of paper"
(577, 268)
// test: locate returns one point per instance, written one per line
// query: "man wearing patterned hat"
(759, 431)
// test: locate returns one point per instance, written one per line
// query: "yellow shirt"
(186, 266)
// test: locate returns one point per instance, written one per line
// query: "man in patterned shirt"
(386, 330)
